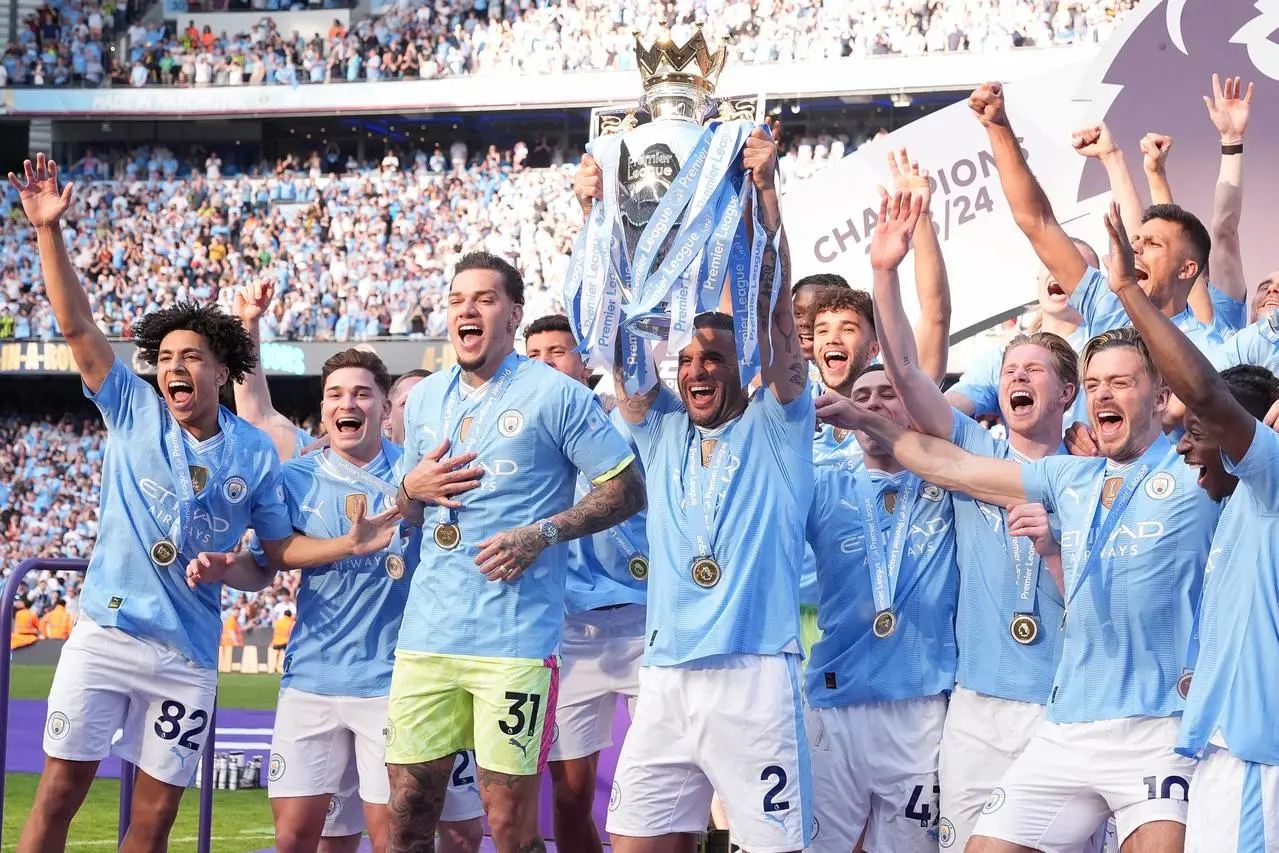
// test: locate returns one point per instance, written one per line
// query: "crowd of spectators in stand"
(358, 253)
(68, 41)
(50, 475)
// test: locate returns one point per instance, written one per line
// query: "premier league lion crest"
(1162, 59)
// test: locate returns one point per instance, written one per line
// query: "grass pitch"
(241, 819)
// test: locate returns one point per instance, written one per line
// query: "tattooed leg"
(511, 805)
(417, 796)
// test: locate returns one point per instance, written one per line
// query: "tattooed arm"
(506, 555)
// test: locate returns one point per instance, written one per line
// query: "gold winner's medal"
(394, 566)
(885, 624)
(638, 567)
(1024, 628)
(448, 535)
(1183, 684)
(163, 552)
(706, 572)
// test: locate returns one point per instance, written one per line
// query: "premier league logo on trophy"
(670, 233)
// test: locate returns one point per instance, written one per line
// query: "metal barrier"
(127, 770)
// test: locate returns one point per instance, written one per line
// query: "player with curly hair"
(183, 478)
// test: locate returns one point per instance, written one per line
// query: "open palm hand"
(41, 200)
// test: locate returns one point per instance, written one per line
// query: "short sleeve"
(1259, 468)
(1256, 344)
(255, 550)
(1100, 308)
(588, 440)
(665, 409)
(795, 418)
(1042, 480)
(124, 398)
(970, 435)
(270, 514)
(1226, 310)
(980, 382)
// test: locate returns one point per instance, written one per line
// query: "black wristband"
(404, 488)
(1236, 148)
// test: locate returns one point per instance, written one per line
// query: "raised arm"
(44, 205)
(252, 396)
(1187, 371)
(782, 365)
(932, 331)
(1096, 141)
(506, 555)
(1031, 209)
(634, 407)
(994, 481)
(1229, 113)
(927, 408)
(1155, 148)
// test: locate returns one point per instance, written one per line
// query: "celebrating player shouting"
(719, 705)
(476, 661)
(183, 479)
(1135, 537)
(1231, 709)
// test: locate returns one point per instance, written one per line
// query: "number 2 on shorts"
(169, 725)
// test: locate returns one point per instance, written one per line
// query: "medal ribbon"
(703, 508)
(885, 572)
(1026, 566)
(348, 472)
(607, 265)
(453, 397)
(188, 500)
(1131, 483)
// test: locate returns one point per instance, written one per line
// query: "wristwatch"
(548, 531)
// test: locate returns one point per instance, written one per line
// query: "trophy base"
(653, 326)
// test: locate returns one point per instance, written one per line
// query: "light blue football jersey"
(301, 440)
(348, 612)
(991, 662)
(611, 567)
(1232, 693)
(850, 665)
(135, 581)
(1256, 344)
(1227, 311)
(1102, 311)
(980, 382)
(830, 447)
(534, 429)
(756, 489)
(1128, 619)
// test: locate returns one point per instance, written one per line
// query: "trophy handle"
(619, 118)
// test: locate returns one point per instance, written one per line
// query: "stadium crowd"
(67, 41)
(357, 250)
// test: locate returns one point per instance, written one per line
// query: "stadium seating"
(416, 40)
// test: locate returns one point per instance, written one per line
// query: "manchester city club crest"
(615, 797)
(235, 489)
(276, 768)
(58, 726)
(335, 807)
(946, 833)
(510, 423)
(995, 801)
(1160, 486)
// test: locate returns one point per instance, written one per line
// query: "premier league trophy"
(670, 233)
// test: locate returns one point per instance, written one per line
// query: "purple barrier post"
(206, 786)
(126, 770)
(127, 774)
(6, 630)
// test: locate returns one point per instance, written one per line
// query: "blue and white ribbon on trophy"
(710, 248)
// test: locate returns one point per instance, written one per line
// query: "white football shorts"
(108, 681)
(1234, 806)
(1072, 776)
(600, 661)
(736, 728)
(875, 768)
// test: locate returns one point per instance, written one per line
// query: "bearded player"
(183, 479)
(719, 707)
(492, 563)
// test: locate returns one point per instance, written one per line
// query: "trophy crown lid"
(692, 63)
